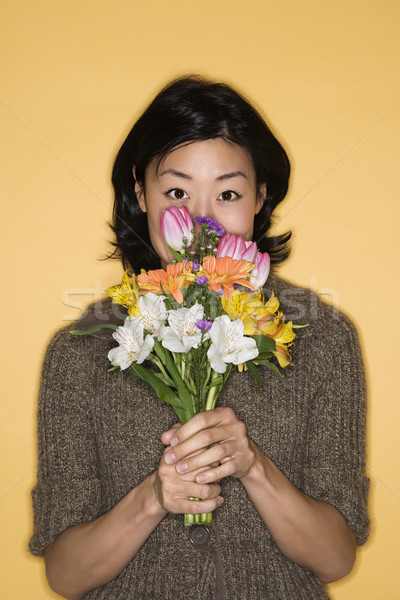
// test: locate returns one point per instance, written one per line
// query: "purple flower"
(196, 266)
(204, 325)
(203, 220)
(242, 288)
(212, 225)
(219, 230)
(202, 280)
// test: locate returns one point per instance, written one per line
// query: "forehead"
(214, 157)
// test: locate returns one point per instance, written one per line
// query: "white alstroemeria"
(153, 313)
(183, 333)
(133, 346)
(229, 345)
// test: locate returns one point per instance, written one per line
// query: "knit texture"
(99, 436)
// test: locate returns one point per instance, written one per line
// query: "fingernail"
(174, 442)
(220, 501)
(202, 478)
(170, 458)
(182, 467)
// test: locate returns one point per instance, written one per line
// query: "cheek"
(239, 222)
(156, 237)
(154, 211)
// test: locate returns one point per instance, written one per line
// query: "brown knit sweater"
(99, 436)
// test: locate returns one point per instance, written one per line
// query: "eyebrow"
(220, 178)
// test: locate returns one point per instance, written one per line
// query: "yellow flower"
(126, 294)
(238, 307)
(283, 336)
(257, 316)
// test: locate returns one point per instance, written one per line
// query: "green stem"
(159, 364)
(213, 393)
(201, 519)
(183, 368)
(205, 518)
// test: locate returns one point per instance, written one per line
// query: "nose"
(201, 207)
(197, 226)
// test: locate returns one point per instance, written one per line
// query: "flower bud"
(237, 248)
(176, 225)
(259, 275)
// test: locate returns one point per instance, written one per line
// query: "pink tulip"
(176, 224)
(259, 275)
(236, 247)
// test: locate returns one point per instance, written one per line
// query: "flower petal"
(215, 359)
(259, 274)
(145, 349)
(171, 341)
(119, 357)
(176, 224)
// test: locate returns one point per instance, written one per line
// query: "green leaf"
(167, 360)
(94, 329)
(264, 343)
(160, 351)
(184, 394)
(254, 371)
(216, 381)
(270, 365)
(178, 257)
(264, 356)
(300, 326)
(163, 391)
(165, 379)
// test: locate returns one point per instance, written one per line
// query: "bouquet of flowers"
(198, 319)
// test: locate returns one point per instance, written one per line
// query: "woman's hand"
(309, 532)
(210, 446)
(174, 490)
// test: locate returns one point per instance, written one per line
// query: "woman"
(282, 470)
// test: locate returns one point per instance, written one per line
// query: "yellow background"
(74, 77)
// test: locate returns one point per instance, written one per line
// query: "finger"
(167, 435)
(205, 492)
(196, 507)
(233, 431)
(176, 496)
(174, 483)
(210, 457)
(186, 489)
(229, 468)
(203, 420)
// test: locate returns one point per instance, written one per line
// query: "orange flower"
(224, 273)
(171, 281)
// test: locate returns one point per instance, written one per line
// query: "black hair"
(191, 109)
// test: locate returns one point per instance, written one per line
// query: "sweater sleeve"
(335, 468)
(67, 490)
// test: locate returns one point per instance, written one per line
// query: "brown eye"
(177, 194)
(228, 195)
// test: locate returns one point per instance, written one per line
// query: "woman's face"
(212, 178)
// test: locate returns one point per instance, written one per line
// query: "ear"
(139, 191)
(261, 196)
